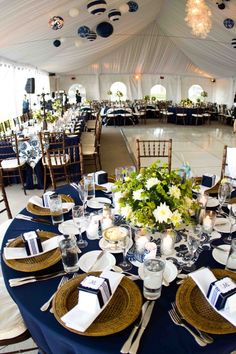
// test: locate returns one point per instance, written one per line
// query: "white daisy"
(152, 182)
(162, 213)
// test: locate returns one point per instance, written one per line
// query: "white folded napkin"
(80, 319)
(203, 278)
(39, 202)
(20, 252)
(108, 186)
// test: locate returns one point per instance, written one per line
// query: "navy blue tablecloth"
(189, 119)
(161, 335)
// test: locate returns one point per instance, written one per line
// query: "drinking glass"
(193, 242)
(223, 193)
(55, 205)
(232, 220)
(124, 242)
(153, 269)
(119, 173)
(89, 187)
(69, 255)
(231, 260)
(79, 219)
(82, 195)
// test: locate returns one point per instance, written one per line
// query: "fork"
(47, 304)
(208, 339)
(177, 320)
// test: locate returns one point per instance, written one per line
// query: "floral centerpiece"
(204, 94)
(155, 199)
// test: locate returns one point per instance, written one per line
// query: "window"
(159, 92)
(72, 91)
(118, 87)
(194, 93)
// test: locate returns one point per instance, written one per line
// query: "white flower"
(126, 211)
(152, 182)
(162, 213)
(176, 218)
(137, 195)
(174, 192)
(117, 196)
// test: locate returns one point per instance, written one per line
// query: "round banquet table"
(161, 335)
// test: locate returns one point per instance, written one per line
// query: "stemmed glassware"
(124, 242)
(83, 195)
(223, 193)
(79, 219)
(193, 242)
(232, 220)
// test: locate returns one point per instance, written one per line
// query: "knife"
(101, 254)
(31, 279)
(146, 319)
(29, 218)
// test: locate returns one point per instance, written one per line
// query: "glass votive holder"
(168, 239)
(231, 260)
(208, 221)
(202, 199)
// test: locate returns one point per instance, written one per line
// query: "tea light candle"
(151, 248)
(207, 223)
(140, 243)
(167, 243)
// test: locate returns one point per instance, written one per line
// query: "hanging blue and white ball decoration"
(56, 22)
(104, 29)
(114, 15)
(97, 7)
(229, 23)
(233, 42)
(57, 43)
(92, 36)
(133, 6)
(83, 31)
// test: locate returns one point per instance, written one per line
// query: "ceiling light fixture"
(198, 17)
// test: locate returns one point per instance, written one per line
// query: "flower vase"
(168, 239)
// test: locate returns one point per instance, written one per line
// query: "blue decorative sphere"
(83, 31)
(233, 42)
(104, 29)
(229, 23)
(92, 36)
(56, 22)
(97, 7)
(114, 15)
(133, 6)
(57, 43)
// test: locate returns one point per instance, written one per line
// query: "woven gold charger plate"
(122, 310)
(197, 311)
(33, 264)
(37, 210)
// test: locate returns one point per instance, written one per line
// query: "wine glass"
(232, 220)
(79, 219)
(82, 195)
(193, 242)
(223, 193)
(124, 242)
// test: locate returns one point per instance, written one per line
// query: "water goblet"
(124, 242)
(79, 220)
(223, 193)
(193, 242)
(232, 220)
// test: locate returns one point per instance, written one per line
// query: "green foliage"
(204, 94)
(186, 102)
(146, 98)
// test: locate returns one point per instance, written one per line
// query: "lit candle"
(167, 243)
(207, 223)
(140, 243)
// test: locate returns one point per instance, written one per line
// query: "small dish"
(170, 271)
(212, 202)
(112, 248)
(97, 203)
(221, 256)
(107, 261)
(68, 228)
(222, 225)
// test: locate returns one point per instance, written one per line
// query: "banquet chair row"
(149, 149)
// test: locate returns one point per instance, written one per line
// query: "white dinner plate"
(221, 256)
(97, 203)
(170, 271)
(68, 227)
(112, 248)
(107, 261)
(222, 225)
(212, 202)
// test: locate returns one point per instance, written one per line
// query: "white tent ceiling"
(155, 39)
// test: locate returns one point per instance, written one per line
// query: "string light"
(198, 17)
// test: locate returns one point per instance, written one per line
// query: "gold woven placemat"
(122, 310)
(33, 264)
(197, 311)
(37, 210)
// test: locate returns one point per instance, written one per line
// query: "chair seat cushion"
(88, 149)
(197, 115)
(12, 163)
(181, 114)
(56, 160)
(11, 322)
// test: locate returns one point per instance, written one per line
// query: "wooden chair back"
(4, 205)
(154, 148)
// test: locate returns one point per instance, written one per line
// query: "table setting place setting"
(123, 243)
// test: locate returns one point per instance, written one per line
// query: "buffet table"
(162, 336)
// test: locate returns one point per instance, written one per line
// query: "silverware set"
(201, 338)
(33, 278)
(48, 303)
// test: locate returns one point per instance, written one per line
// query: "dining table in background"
(162, 336)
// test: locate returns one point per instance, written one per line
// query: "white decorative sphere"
(78, 43)
(73, 12)
(124, 8)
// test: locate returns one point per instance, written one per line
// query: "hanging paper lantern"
(83, 31)
(114, 15)
(229, 23)
(233, 42)
(104, 29)
(78, 43)
(73, 12)
(124, 8)
(92, 36)
(221, 6)
(56, 22)
(57, 43)
(97, 7)
(133, 6)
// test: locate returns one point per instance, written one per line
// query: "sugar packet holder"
(222, 294)
(32, 243)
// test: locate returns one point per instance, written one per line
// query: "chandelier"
(198, 17)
